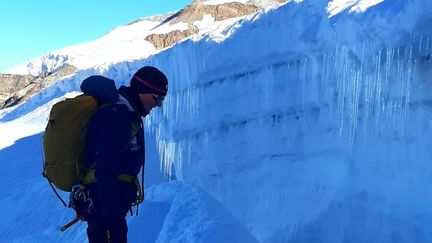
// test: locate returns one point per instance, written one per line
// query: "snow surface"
(312, 131)
(172, 212)
(336, 6)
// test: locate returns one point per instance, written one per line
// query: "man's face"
(150, 101)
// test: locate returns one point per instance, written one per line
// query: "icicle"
(341, 67)
(407, 94)
(420, 44)
(379, 83)
(302, 73)
(427, 45)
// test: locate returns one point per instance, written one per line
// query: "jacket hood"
(101, 88)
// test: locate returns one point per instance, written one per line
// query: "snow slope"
(172, 212)
(336, 6)
(312, 131)
(123, 43)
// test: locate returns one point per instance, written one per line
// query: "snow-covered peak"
(131, 42)
(123, 43)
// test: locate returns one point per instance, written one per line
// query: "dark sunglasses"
(158, 99)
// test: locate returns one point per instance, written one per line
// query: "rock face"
(161, 41)
(19, 88)
(11, 84)
(195, 12)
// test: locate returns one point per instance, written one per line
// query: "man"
(115, 146)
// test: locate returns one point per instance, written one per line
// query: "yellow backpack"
(64, 141)
(64, 144)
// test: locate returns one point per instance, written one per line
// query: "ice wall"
(309, 128)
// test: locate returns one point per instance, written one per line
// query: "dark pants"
(100, 231)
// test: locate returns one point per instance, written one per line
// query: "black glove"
(80, 201)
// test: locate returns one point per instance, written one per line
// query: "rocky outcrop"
(160, 41)
(12, 84)
(195, 12)
(16, 89)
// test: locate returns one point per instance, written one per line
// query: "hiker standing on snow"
(115, 150)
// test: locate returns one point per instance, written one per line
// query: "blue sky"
(31, 28)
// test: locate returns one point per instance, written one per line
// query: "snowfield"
(310, 122)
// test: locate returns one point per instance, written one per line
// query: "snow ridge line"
(236, 76)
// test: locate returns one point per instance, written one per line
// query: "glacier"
(317, 128)
(305, 125)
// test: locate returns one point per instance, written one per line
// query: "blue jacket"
(115, 144)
